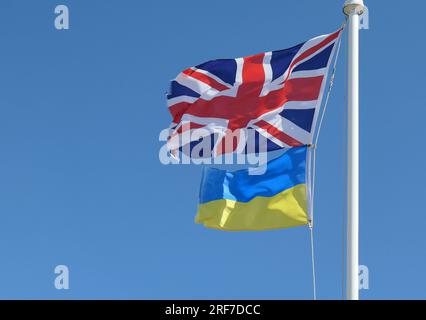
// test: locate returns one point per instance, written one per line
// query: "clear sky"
(81, 183)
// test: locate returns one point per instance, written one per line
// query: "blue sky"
(81, 183)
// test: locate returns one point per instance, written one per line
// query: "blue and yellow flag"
(240, 201)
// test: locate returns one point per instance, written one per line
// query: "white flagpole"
(353, 9)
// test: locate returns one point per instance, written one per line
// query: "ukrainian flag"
(240, 201)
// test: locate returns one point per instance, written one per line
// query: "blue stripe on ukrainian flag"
(240, 201)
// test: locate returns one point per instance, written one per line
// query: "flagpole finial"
(353, 7)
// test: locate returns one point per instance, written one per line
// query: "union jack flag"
(275, 94)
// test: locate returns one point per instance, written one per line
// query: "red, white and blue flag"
(276, 94)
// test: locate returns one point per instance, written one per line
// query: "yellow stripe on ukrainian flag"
(239, 201)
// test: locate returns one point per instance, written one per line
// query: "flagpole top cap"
(353, 7)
